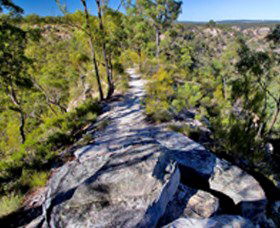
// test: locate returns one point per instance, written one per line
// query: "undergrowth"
(10, 203)
(29, 167)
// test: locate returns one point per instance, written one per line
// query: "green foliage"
(32, 18)
(232, 88)
(34, 180)
(12, 57)
(10, 6)
(139, 33)
(211, 23)
(188, 96)
(159, 91)
(28, 166)
(9, 203)
(47, 88)
(275, 35)
(162, 13)
(122, 82)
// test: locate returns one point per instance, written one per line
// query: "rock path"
(139, 175)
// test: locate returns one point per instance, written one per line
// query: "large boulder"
(215, 222)
(127, 189)
(130, 183)
(191, 203)
(275, 212)
(202, 169)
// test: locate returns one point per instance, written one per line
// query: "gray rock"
(268, 148)
(131, 173)
(215, 222)
(123, 180)
(201, 205)
(192, 203)
(35, 223)
(275, 213)
(217, 174)
(126, 189)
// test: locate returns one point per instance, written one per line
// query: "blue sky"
(193, 10)
(204, 10)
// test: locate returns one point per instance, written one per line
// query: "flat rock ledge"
(219, 221)
(139, 175)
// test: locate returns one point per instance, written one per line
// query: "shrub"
(188, 96)
(10, 203)
(39, 179)
(159, 93)
(28, 166)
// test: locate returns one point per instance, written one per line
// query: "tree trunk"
(112, 88)
(140, 59)
(109, 76)
(94, 62)
(96, 70)
(274, 120)
(21, 127)
(157, 42)
(19, 109)
(111, 68)
(48, 100)
(224, 87)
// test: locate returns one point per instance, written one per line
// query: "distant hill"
(248, 22)
(234, 22)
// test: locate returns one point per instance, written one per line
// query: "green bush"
(28, 167)
(159, 93)
(39, 179)
(188, 96)
(10, 203)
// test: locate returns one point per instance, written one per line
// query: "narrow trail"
(133, 171)
(124, 119)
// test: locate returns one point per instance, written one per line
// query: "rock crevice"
(140, 175)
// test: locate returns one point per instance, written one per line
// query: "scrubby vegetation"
(229, 79)
(227, 76)
(49, 93)
(55, 73)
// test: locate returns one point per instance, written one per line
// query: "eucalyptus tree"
(161, 14)
(261, 74)
(274, 36)
(10, 6)
(14, 79)
(102, 31)
(13, 66)
(139, 32)
(93, 54)
(88, 30)
(116, 39)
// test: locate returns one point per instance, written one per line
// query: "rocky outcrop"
(139, 175)
(203, 170)
(275, 212)
(221, 221)
(192, 203)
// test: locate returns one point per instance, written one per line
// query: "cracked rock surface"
(139, 175)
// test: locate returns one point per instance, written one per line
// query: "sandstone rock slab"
(200, 165)
(191, 203)
(214, 222)
(132, 171)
